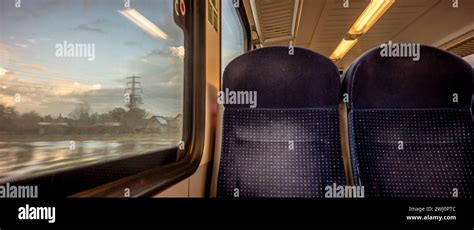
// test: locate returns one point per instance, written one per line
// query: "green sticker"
(212, 16)
(209, 13)
(216, 23)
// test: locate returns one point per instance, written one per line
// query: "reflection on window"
(233, 43)
(87, 81)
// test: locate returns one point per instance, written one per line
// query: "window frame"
(141, 174)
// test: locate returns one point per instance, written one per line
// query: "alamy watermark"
(28, 212)
(20, 191)
(81, 50)
(37, 213)
(344, 191)
(230, 97)
(392, 49)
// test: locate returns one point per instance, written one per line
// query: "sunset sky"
(53, 85)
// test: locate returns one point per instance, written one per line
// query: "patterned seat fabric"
(289, 146)
(411, 131)
(433, 160)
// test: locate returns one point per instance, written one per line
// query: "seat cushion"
(257, 160)
(413, 153)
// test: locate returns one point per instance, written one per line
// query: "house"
(175, 123)
(157, 124)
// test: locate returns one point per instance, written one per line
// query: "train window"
(83, 82)
(233, 34)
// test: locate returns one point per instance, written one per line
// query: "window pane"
(233, 43)
(87, 81)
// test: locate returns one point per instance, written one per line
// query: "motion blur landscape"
(63, 111)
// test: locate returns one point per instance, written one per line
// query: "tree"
(48, 118)
(118, 114)
(105, 117)
(8, 118)
(134, 119)
(94, 118)
(28, 122)
(80, 111)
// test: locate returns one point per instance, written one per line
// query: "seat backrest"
(289, 144)
(410, 128)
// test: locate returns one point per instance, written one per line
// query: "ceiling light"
(366, 20)
(342, 49)
(143, 23)
(370, 16)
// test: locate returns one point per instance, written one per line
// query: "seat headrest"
(438, 79)
(302, 80)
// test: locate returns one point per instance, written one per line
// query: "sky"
(51, 85)
(232, 34)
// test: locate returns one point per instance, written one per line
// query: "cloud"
(36, 70)
(170, 54)
(95, 26)
(88, 28)
(178, 51)
(22, 45)
(41, 95)
(164, 53)
(7, 52)
(132, 44)
(34, 67)
(3, 71)
(161, 65)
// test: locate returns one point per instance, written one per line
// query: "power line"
(133, 92)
